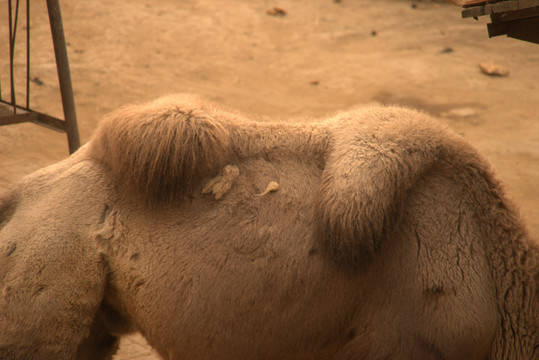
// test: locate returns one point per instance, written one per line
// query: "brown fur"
(389, 237)
(166, 148)
(163, 149)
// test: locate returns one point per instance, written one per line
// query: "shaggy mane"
(162, 149)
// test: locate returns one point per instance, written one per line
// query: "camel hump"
(376, 156)
(163, 149)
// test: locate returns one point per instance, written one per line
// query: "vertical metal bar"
(14, 38)
(27, 54)
(64, 75)
(11, 79)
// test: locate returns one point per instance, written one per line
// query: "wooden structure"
(20, 113)
(518, 19)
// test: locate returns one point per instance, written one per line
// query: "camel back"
(371, 158)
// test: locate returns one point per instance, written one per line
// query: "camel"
(375, 233)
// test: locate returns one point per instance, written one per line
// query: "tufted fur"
(163, 149)
(389, 237)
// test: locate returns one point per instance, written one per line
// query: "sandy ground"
(323, 55)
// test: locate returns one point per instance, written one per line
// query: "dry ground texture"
(322, 55)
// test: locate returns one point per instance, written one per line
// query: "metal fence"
(23, 113)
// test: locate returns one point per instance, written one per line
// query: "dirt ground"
(322, 55)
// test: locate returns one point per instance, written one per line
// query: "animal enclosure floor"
(315, 58)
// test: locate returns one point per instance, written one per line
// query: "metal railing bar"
(35, 117)
(64, 75)
(24, 108)
(11, 79)
(17, 119)
(69, 125)
(27, 53)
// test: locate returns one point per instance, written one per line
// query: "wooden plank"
(502, 7)
(524, 4)
(519, 28)
(498, 4)
(475, 11)
(467, 2)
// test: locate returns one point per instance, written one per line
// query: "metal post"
(64, 75)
